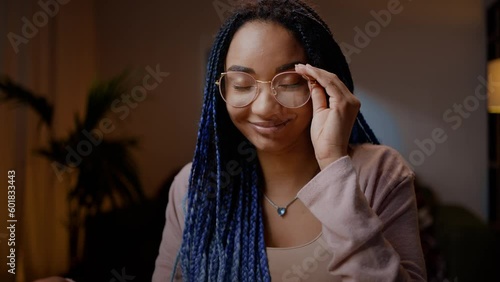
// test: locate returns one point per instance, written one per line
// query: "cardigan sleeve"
(172, 232)
(374, 235)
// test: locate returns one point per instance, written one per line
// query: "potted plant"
(107, 175)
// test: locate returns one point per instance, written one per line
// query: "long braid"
(261, 255)
(197, 235)
(235, 238)
(223, 238)
(243, 239)
(215, 251)
(252, 228)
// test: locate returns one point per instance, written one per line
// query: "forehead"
(264, 47)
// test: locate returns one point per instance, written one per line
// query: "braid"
(234, 240)
(197, 237)
(312, 14)
(243, 239)
(252, 218)
(223, 237)
(365, 128)
(262, 267)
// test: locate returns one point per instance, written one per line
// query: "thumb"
(318, 97)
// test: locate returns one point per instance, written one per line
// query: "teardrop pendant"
(281, 211)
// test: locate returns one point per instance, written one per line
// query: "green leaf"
(100, 98)
(13, 92)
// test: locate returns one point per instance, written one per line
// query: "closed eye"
(242, 88)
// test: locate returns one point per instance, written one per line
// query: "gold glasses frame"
(257, 91)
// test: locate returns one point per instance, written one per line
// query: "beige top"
(307, 262)
(366, 204)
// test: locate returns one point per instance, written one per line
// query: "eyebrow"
(279, 69)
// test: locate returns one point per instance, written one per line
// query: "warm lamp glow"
(494, 86)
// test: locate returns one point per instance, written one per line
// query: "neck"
(285, 173)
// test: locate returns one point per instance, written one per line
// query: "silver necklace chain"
(281, 210)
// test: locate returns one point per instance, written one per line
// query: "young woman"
(287, 181)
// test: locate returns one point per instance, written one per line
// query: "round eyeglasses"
(239, 89)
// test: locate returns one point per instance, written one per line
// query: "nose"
(265, 103)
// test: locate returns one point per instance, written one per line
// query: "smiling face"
(264, 49)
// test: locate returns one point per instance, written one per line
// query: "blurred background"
(94, 149)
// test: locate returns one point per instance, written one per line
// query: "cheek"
(238, 118)
(232, 114)
(305, 113)
(236, 114)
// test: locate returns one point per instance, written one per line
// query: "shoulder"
(178, 192)
(182, 177)
(379, 163)
(181, 182)
(371, 157)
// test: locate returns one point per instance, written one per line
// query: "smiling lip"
(269, 127)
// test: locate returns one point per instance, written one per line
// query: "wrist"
(324, 162)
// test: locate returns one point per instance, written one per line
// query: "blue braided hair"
(223, 239)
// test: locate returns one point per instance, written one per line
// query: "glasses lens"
(292, 89)
(238, 89)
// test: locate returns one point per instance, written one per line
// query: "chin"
(268, 146)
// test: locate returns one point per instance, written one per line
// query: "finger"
(331, 88)
(335, 83)
(335, 88)
(333, 77)
(318, 98)
(330, 81)
(319, 101)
